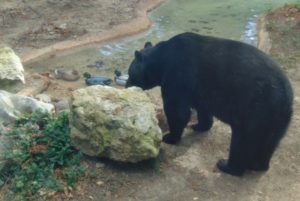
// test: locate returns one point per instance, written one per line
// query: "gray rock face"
(11, 67)
(62, 106)
(13, 106)
(114, 123)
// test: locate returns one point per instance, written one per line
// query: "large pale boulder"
(13, 106)
(11, 67)
(119, 124)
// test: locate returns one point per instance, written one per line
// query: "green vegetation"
(297, 5)
(42, 159)
(271, 25)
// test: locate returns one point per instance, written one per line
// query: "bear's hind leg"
(235, 165)
(266, 147)
(260, 158)
(178, 114)
(205, 120)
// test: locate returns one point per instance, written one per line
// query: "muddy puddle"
(232, 19)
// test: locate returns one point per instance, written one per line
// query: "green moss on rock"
(114, 123)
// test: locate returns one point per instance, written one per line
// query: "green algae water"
(234, 19)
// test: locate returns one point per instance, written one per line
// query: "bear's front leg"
(205, 120)
(178, 114)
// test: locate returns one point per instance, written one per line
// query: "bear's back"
(227, 75)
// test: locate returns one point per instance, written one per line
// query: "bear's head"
(142, 69)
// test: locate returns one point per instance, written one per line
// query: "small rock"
(62, 26)
(62, 106)
(43, 98)
(204, 173)
(100, 183)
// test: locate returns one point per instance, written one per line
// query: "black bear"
(230, 80)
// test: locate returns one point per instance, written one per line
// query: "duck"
(96, 80)
(120, 79)
(68, 75)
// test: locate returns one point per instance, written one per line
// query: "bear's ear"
(148, 44)
(138, 56)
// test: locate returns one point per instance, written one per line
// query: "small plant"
(297, 6)
(42, 158)
(271, 25)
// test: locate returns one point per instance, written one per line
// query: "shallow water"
(234, 19)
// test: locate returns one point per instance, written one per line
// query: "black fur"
(233, 81)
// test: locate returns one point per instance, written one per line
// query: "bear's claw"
(224, 167)
(170, 139)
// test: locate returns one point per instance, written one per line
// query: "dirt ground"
(183, 172)
(34, 28)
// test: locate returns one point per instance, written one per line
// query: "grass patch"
(297, 5)
(271, 25)
(42, 159)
